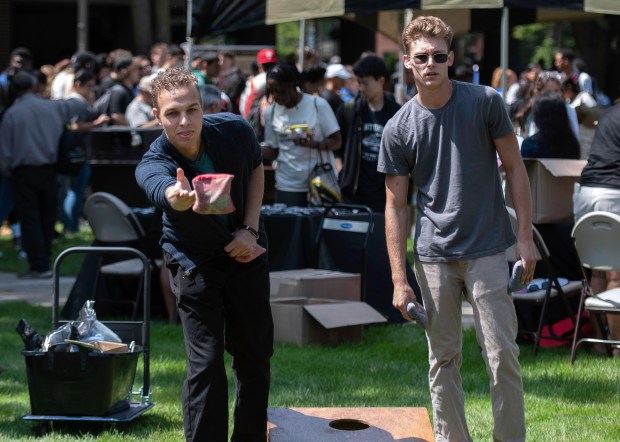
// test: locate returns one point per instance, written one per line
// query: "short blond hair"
(426, 26)
(170, 80)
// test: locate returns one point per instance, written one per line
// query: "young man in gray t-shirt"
(447, 138)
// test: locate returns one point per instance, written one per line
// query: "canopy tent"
(216, 17)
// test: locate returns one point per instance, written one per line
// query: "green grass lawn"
(10, 262)
(389, 368)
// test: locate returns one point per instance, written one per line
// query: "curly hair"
(170, 80)
(426, 26)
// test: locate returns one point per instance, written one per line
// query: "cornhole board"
(381, 424)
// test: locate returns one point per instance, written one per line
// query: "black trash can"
(83, 383)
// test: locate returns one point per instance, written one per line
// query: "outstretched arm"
(180, 196)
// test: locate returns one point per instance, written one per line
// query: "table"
(291, 233)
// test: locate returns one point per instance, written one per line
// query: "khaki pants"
(484, 283)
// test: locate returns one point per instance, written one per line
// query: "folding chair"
(342, 240)
(597, 240)
(541, 298)
(114, 223)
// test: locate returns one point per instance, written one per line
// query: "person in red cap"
(256, 85)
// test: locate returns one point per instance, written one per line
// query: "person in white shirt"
(139, 112)
(301, 131)
(564, 61)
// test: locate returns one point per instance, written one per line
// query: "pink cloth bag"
(213, 194)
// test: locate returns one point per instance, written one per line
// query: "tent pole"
(82, 25)
(302, 43)
(504, 50)
(400, 89)
(188, 37)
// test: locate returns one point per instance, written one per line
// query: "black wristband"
(252, 230)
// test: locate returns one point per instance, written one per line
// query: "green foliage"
(540, 41)
(389, 368)
(287, 39)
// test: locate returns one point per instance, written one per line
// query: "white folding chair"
(597, 240)
(543, 296)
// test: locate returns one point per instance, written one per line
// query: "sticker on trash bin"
(213, 194)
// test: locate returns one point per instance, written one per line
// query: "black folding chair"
(114, 223)
(542, 297)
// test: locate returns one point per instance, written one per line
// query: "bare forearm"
(269, 153)
(333, 142)
(396, 236)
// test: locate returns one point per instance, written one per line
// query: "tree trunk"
(162, 21)
(142, 30)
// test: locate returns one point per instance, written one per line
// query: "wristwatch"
(252, 230)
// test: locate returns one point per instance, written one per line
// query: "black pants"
(35, 198)
(225, 305)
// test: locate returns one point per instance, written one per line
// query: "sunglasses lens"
(423, 58)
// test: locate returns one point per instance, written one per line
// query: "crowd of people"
(217, 118)
(115, 87)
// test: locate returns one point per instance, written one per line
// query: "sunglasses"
(423, 58)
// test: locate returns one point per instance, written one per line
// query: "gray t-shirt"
(138, 113)
(452, 159)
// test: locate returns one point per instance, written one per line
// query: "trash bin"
(83, 383)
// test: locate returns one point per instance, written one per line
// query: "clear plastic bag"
(89, 329)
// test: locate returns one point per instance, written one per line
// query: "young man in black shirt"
(361, 125)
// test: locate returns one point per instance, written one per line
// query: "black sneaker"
(35, 274)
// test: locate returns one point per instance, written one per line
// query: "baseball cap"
(83, 58)
(145, 84)
(337, 70)
(266, 56)
(125, 63)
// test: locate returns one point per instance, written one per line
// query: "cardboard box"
(315, 283)
(552, 182)
(102, 346)
(321, 321)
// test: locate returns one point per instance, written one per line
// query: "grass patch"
(10, 261)
(563, 403)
